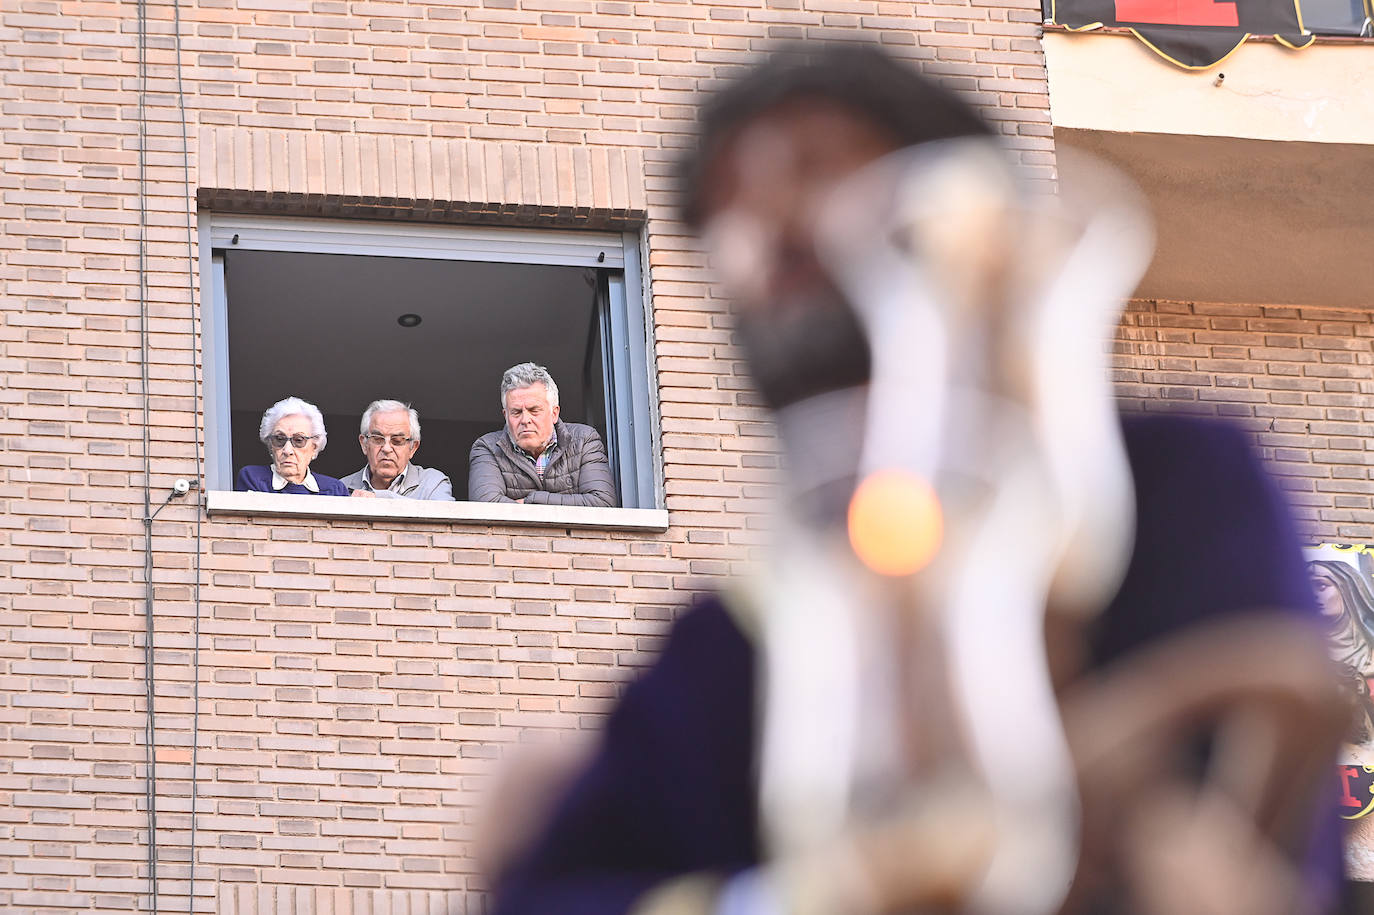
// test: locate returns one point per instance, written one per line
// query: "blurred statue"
(1009, 653)
(1348, 608)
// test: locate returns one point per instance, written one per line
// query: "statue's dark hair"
(858, 77)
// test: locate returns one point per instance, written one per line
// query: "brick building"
(347, 675)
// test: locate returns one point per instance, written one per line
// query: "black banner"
(1197, 34)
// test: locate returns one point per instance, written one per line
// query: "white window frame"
(627, 342)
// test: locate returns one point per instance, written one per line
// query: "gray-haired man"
(538, 459)
(390, 436)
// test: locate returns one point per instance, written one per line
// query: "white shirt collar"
(279, 482)
(395, 484)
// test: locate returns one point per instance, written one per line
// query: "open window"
(327, 310)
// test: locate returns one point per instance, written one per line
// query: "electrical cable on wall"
(181, 487)
(149, 673)
(187, 208)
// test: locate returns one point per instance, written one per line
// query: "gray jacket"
(578, 473)
(416, 483)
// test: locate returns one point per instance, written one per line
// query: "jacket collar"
(524, 461)
(397, 484)
(552, 442)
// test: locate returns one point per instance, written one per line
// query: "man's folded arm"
(595, 482)
(485, 483)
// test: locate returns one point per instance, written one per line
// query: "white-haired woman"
(293, 431)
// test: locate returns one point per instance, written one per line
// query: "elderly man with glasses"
(390, 436)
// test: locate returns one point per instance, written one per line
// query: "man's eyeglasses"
(377, 440)
(298, 441)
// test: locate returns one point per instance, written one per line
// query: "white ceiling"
(323, 327)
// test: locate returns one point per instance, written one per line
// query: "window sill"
(268, 503)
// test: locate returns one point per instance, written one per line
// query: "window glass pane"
(1335, 17)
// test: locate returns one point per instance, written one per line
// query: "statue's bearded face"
(766, 185)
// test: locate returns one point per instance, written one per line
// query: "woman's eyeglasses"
(298, 441)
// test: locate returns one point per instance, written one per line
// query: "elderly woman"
(293, 431)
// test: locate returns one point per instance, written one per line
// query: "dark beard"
(805, 350)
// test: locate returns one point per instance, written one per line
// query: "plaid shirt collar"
(545, 458)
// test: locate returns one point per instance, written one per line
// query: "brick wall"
(356, 679)
(1299, 379)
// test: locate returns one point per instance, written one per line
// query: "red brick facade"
(1298, 378)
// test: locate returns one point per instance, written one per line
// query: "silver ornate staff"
(903, 666)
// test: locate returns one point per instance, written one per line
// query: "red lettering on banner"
(1177, 12)
(1348, 799)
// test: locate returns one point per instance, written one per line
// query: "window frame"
(632, 437)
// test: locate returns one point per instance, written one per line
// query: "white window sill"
(270, 503)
